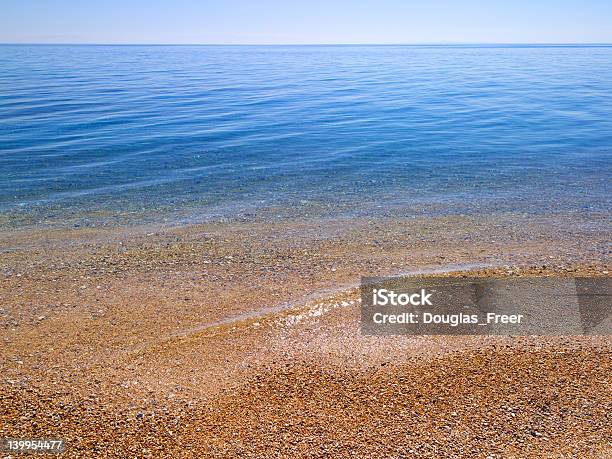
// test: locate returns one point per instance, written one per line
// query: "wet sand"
(242, 339)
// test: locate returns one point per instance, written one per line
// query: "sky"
(305, 21)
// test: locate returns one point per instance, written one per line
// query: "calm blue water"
(96, 134)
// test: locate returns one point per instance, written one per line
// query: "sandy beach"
(242, 339)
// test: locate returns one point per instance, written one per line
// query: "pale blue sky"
(305, 21)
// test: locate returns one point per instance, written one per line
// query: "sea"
(103, 135)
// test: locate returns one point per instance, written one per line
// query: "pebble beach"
(242, 340)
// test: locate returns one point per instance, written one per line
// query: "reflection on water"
(130, 132)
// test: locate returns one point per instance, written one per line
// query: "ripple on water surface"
(91, 133)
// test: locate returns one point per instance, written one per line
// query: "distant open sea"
(99, 135)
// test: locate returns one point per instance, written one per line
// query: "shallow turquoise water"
(96, 134)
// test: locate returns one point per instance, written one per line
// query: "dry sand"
(242, 340)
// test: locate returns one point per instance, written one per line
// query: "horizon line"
(602, 44)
